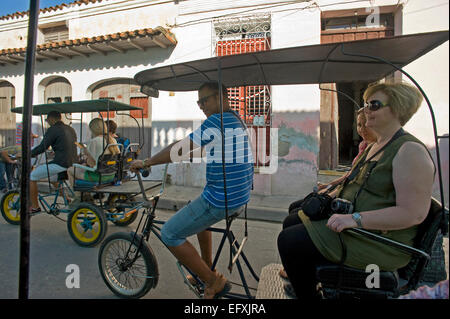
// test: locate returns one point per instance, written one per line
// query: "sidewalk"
(263, 208)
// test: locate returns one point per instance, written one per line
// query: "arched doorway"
(8, 119)
(57, 90)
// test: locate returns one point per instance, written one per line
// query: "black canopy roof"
(323, 63)
(87, 106)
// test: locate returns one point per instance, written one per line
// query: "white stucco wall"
(176, 114)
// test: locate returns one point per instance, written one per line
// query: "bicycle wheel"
(114, 212)
(10, 207)
(87, 225)
(127, 272)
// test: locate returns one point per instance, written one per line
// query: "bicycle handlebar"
(145, 173)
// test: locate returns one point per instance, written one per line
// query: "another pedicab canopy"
(88, 106)
(323, 63)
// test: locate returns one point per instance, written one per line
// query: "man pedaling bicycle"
(209, 207)
(61, 138)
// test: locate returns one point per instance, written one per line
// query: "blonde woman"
(100, 139)
(390, 192)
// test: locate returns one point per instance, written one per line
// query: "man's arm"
(48, 140)
(5, 156)
(174, 153)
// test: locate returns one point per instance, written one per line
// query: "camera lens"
(341, 206)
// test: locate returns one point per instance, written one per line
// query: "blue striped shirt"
(238, 160)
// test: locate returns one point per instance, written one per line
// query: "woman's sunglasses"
(374, 105)
(204, 99)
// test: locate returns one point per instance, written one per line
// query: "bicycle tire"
(111, 259)
(87, 225)
(5, 207)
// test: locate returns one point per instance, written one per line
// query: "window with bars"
(252, 103)
(141, 102)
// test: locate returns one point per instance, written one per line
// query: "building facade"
(92, 49)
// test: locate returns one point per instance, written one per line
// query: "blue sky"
(11, 6)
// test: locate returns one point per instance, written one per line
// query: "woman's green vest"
(378, 192)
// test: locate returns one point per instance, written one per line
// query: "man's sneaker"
(35, 211)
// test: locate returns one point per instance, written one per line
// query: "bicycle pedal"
(199, 288)
(54, 212)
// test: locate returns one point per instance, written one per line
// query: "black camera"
(341, 206)
(317, 206)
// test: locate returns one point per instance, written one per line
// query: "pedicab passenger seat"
(126, 158)
(391, 284)
(107, 164)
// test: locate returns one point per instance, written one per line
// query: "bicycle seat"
(63, 176)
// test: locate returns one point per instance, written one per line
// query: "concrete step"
(270, 284)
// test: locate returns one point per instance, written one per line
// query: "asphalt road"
(52, 250)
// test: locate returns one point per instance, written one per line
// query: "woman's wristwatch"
(357, 218)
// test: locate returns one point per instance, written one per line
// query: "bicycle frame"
(152, 225)
(52, 208)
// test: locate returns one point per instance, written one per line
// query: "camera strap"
(361, 163)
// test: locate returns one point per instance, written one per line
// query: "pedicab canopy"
(102, 105)
(323, 63)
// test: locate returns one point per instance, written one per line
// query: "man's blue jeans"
(5, 168)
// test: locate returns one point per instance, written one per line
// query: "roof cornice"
(121, 42)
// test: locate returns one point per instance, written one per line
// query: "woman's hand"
(137, 165)
(339, 222)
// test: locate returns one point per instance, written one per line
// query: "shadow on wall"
(93, 62)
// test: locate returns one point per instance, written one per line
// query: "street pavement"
(52, 250)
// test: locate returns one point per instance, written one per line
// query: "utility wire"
(312, 5)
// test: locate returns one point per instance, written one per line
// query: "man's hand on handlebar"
(137, 165)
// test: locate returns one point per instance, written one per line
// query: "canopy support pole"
(228, 224)
(24, 265)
